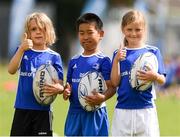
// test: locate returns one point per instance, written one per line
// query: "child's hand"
(51, 89)
(67, 91)
(121, 54)
(147, 75)
(95, 99)
(26, 43)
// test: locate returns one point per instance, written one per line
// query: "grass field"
(168, 108)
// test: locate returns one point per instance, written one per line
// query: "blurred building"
(162, 15)
(163, 24)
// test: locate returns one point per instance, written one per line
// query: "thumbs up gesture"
(121, 53)
(26, 43)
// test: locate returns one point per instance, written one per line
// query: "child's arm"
(110, 91)
(16, 60)
(160, 79)
(151, 76)
(115, 71)
(67, 91)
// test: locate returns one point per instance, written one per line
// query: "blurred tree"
(117, 3)
(67, 12)
(4, 19)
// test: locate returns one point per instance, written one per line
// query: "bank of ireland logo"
(96, 66)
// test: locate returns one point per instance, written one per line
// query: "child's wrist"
(116, 60)
(156, 77)
(21, 49)
(61, 90)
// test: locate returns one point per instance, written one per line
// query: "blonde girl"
(135, 112)
(31, 118)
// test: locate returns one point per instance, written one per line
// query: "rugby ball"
(89, 82)
(44, 74)
(144, 61)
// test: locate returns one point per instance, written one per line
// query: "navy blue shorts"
(87, 123)
(31, 123)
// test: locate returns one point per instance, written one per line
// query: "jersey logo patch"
(96, 66)
(75, 66)
(48, 62)
(25, 57)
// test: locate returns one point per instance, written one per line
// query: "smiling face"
(133, 26)
(134, 33)
(89, 37)
(37, 35)
(40, 30)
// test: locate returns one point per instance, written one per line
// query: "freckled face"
(134, 33)
(37, 35)
(89, 37)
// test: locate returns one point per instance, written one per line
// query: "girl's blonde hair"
(43, 22)
(130, 17)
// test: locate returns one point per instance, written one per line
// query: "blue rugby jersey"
(80, 65)
(127, 97)
(31, 60)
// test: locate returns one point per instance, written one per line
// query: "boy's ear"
(102, 33)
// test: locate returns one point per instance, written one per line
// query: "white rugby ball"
(89, 82)
(144, 60)
(44, 74)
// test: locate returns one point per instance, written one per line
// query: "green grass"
(168, 109)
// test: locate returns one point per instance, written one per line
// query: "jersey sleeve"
(114, 53)
(59, 67)
(161, 67)
(106, 68)
(69, 73)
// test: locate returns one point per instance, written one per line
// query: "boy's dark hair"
(89, 18)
